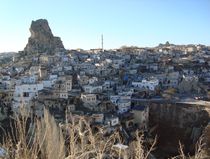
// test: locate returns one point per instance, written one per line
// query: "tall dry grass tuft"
(49, 137)
(32, 139)
(20, 143)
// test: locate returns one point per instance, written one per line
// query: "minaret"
(13, 58)
(102, 43)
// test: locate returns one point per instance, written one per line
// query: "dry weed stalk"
(138, 148)
(199, 151)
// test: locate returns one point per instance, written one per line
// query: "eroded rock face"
(42, 39)
(178, 122)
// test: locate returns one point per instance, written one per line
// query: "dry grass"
(44, 139)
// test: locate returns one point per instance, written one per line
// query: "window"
(25, 94)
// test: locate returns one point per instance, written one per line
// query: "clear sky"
(80, 23)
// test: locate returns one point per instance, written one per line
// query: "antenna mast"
(102, 43)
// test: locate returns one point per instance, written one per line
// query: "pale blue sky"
(80, 23)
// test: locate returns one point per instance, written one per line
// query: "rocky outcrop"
(42, 39)
(176, 122)
(179, 115)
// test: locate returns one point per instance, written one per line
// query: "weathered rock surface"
(176, 122)
(42, 39)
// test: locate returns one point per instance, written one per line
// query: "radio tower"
(102, 43)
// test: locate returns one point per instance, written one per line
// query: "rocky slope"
(42, 40)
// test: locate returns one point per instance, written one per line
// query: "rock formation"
(42, 39)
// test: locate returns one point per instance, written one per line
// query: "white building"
(114, 99)
(34, 70)
(92, 89)
(29, 79)
(83, 80)
(112, 120)
(123, 103)
(68, 83)
(7, 84)
(98, 118)
(92, 80)
(64, 84)
(24, 93)
(108, 85)
(6, 78)
(89, 98)
(60, 94)
(144, 84)
(53, 77)
(68, 68)
(47, 83)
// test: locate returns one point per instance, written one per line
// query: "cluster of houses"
(107, 87)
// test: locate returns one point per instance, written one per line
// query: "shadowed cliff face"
(178, 122)
(42, 39)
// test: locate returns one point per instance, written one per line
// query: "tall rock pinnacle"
(42, 39)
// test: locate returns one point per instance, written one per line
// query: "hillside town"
(112, 89)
